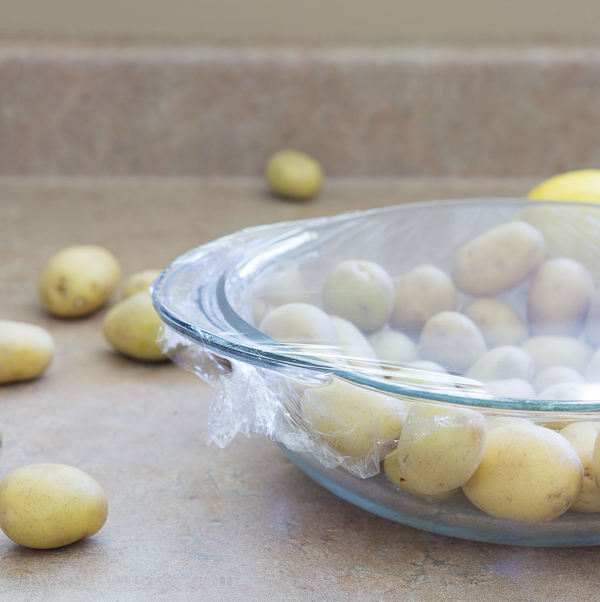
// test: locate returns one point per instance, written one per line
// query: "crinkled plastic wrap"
(325, 336)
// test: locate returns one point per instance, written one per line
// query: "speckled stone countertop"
(192, 522)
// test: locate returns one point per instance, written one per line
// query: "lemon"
(294, 174)
(582, 185)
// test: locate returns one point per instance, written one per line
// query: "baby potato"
(514, 388)
(440, 447)
(452, 340)
(498, 259)
(502, 363)
(140, 281)
(498, 322)
(294, 174)
(78, 280)
(559, 295)
(132, 327)
(26, 350)
(556, 350)
(554, 375)
(390, 467)
(284, 286)
(303, 325)
(420, 294)
(46, 506)
(527, 473)
(359, 291)
(582, 436)
(591, 328)
(394, 348)
(356, 422)
(354, 346)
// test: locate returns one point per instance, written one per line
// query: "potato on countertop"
(26, 351)
(78, 280)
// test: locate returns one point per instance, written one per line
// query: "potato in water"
(582, 436)
(359, 291)
(559, 296)
(440, 447)
(527, 473)
(498, 259)
(452, 340)
(421, 293)
(356, 422)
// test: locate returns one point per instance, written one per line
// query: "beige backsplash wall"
(322, 21)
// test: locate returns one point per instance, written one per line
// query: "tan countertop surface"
(187, 521)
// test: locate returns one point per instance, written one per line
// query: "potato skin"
(498, 259)
(132, 327)
(78, 280)
(140, 281)
(302, 324)
(556, 350)
(559, 296)
(499, 323)
(440, 447)
(353, 420)
(582, 436)
(527, 473)
(26, 351)
(421, 293)
(502, 363)
(452, 340)
(390, 467)
(361, 292)
(45, 506)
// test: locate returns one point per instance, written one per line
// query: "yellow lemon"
(582, 185)
(294, 174)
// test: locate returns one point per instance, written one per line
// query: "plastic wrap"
(324, 336)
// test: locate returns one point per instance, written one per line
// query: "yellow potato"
(556, 350)
(356, 422)
(282, 287)
(390, 467)
(452, 340)
(527, 473)
(78, 280)
(440, 447)
(294, 174)
(354, 346)
(359, 291)
(394, 348)
(305, 326)
(591, 329)
(498, 259)
(421, 293)
(26, 350)
(554, 375)
(582, 436)
(502, 363)
(559, 296)
(140, 281)
(132, 327)
(46, 506)
(498, 322)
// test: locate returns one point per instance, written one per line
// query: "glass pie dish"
(434, 363)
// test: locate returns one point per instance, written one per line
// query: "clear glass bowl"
(213, 298)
